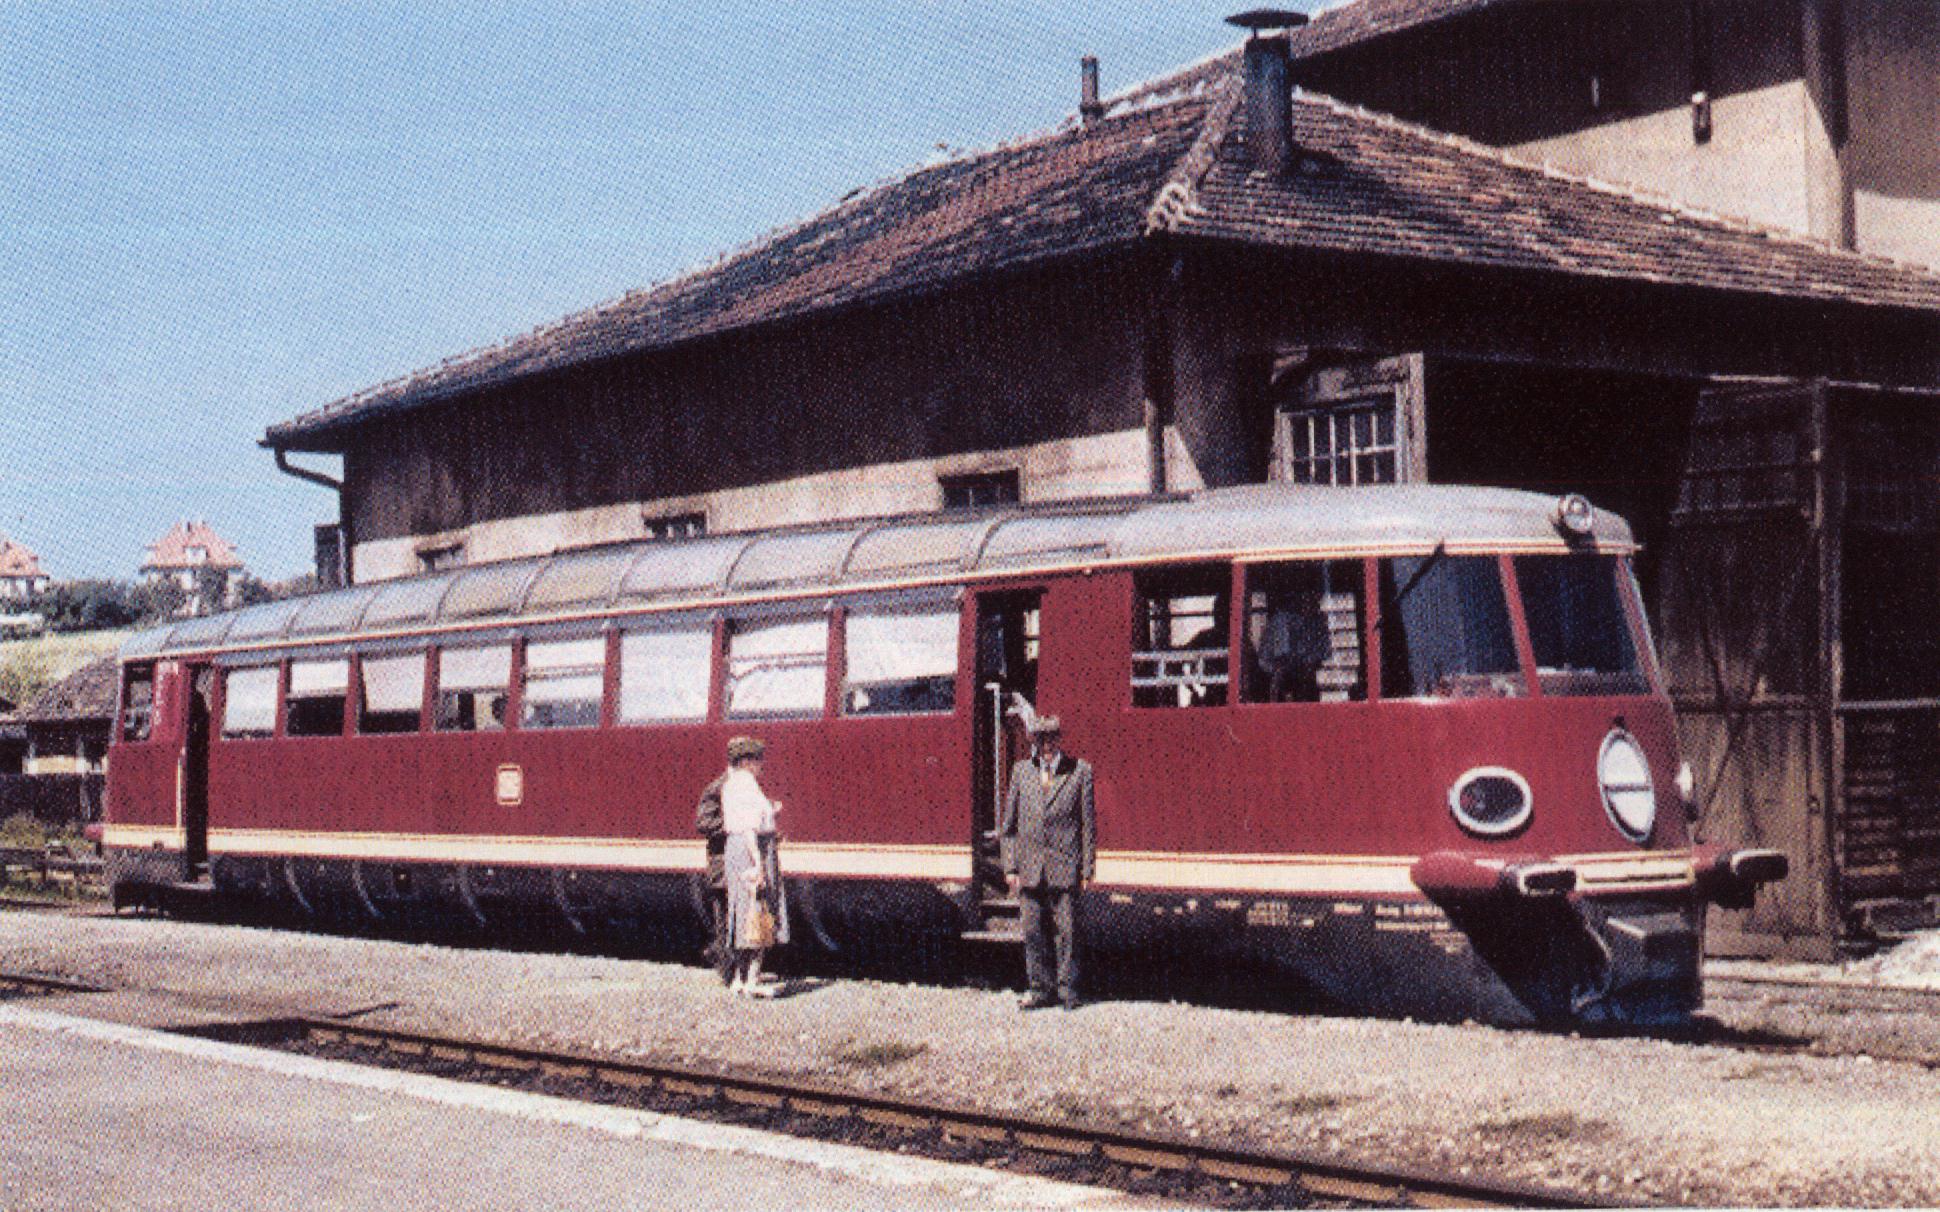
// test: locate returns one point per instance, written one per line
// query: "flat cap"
(742, 747)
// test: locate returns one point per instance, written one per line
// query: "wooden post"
(1828, 526)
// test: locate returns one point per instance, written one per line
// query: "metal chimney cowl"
(1269, 87)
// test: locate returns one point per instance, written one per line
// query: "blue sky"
(216, 216)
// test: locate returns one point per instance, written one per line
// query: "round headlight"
(1490, 801)
(1623, 774)
(1575, 516)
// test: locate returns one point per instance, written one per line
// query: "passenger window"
(1303, 633)
(777, 668)
(249, 701)
(472, 686)
(1180, 638)
(665, 675)
(565, 680)
(1445, 630)
(393, 694)
(138, 705)
(900, 661)
(318, 692)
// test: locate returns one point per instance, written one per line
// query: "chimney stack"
(1269, 90)
(1089, 107)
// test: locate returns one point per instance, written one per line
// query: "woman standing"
(757, 903)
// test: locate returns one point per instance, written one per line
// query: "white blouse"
(744, 807)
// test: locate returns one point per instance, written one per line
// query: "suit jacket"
(1048, 834)
(708, 823)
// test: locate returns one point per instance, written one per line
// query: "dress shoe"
(1036, 1001)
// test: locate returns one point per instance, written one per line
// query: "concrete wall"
(1894, 157)
(855, 415)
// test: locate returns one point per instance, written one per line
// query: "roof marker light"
(1574, 516)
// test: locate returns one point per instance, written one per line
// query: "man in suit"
(1048, 831)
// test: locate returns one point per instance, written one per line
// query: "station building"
(1214, 279)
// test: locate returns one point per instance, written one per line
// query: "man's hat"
(745, 747)
(1047, 725)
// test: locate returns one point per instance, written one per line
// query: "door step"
(1000, 933)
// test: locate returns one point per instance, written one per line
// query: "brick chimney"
(1269, 90)
(1090, 108)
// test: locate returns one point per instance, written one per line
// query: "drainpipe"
(284, 465)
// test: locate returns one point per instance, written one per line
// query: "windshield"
(1578, 626)
(1445, 629)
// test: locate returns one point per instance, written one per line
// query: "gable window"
(1180, 638)
(1303, 633)
(318, 692)
(675, 525)
(249, 701)
(138, 705)
(665, 675)
(980, 489)
(900, 660)
(777, 668)
(440, 557)
(393, 696)
(472, 684)
(565, 681)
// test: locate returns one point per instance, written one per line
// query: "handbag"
(757, 929)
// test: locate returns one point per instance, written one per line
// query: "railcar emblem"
(511, 784)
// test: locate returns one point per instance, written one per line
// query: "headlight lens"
(1624, 776)
(1490, 801)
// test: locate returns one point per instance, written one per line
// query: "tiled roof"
(1372, 184)
(86, 694)
(17, 561)
(1365, 20)
(171, 551)
(1075, 190)
(1168, 157)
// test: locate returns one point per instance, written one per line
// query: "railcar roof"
(1235, 523)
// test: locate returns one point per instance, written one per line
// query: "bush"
(25, 674)
(22, 832)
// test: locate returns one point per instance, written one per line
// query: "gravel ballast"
(1635, 1118)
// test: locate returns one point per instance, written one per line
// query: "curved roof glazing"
(1273, 519)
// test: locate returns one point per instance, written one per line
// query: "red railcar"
(1405, 746)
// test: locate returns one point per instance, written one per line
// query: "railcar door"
(1007, 649)
(195, 771)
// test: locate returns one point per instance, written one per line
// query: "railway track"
(1172, 1167)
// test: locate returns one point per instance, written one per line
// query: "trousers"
(1050, 920)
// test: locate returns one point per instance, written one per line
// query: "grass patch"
(878, 1055)
(1543, 1128)
(1318, 1104)
(53, 892)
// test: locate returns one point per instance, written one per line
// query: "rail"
(1315, 1177)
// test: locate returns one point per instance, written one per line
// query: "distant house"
(20, 574)
(200, 562)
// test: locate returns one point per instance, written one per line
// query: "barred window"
(1180, 637)
(565, 680)
(777, 668)
(1342, 444)
(1746, 455)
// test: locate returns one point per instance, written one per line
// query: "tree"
(24, 675)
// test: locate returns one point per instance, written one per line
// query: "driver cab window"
(1303, 633)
